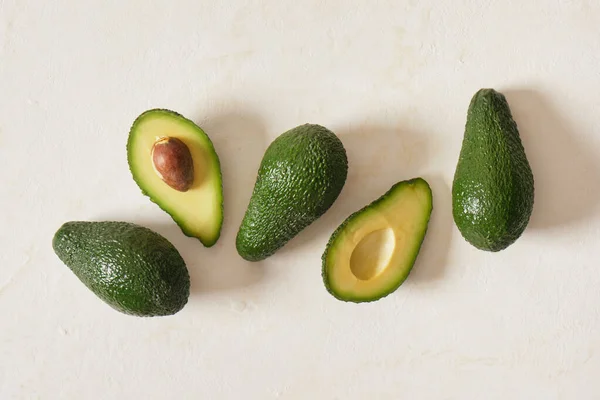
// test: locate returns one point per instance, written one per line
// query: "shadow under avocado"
(239, 142)
(565, 170)
(379, 157)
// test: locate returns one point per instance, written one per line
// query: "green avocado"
(131, 268)
(373, 251)
(301, 175)
(493, 188)
(175, 164)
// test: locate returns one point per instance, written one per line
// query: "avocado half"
(373, 251)
(198, 208)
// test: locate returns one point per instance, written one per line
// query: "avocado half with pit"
(175, 164)
(373, 251)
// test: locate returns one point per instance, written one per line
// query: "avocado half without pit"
(373, 251)
(175, 164)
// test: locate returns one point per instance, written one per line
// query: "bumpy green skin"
(206, 242)
(301, 175)
(133, 269)
(394, 285)
(493, 188)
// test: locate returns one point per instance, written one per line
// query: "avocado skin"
(374, 204)
(134, 270)
(300, 176)
(493, 188)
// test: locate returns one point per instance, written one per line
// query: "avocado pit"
(173, 163)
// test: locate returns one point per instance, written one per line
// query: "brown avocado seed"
(173, 163)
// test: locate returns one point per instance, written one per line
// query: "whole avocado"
(131, 268)
(493, 188)
(300, 176)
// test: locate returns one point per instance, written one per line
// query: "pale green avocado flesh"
(372, 253)
(199, 210)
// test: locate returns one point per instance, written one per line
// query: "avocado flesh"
(493, 187)
(300, 176)
(134, 270)
(373, 251)
(199, 210)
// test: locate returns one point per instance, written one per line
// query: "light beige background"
(393, 79)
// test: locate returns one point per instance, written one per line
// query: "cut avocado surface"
(195, 202)
(372, 252)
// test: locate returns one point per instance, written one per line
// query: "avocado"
(373, 251)
(300, 176)
(175, 164)
(493, 187)
(131, 268)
